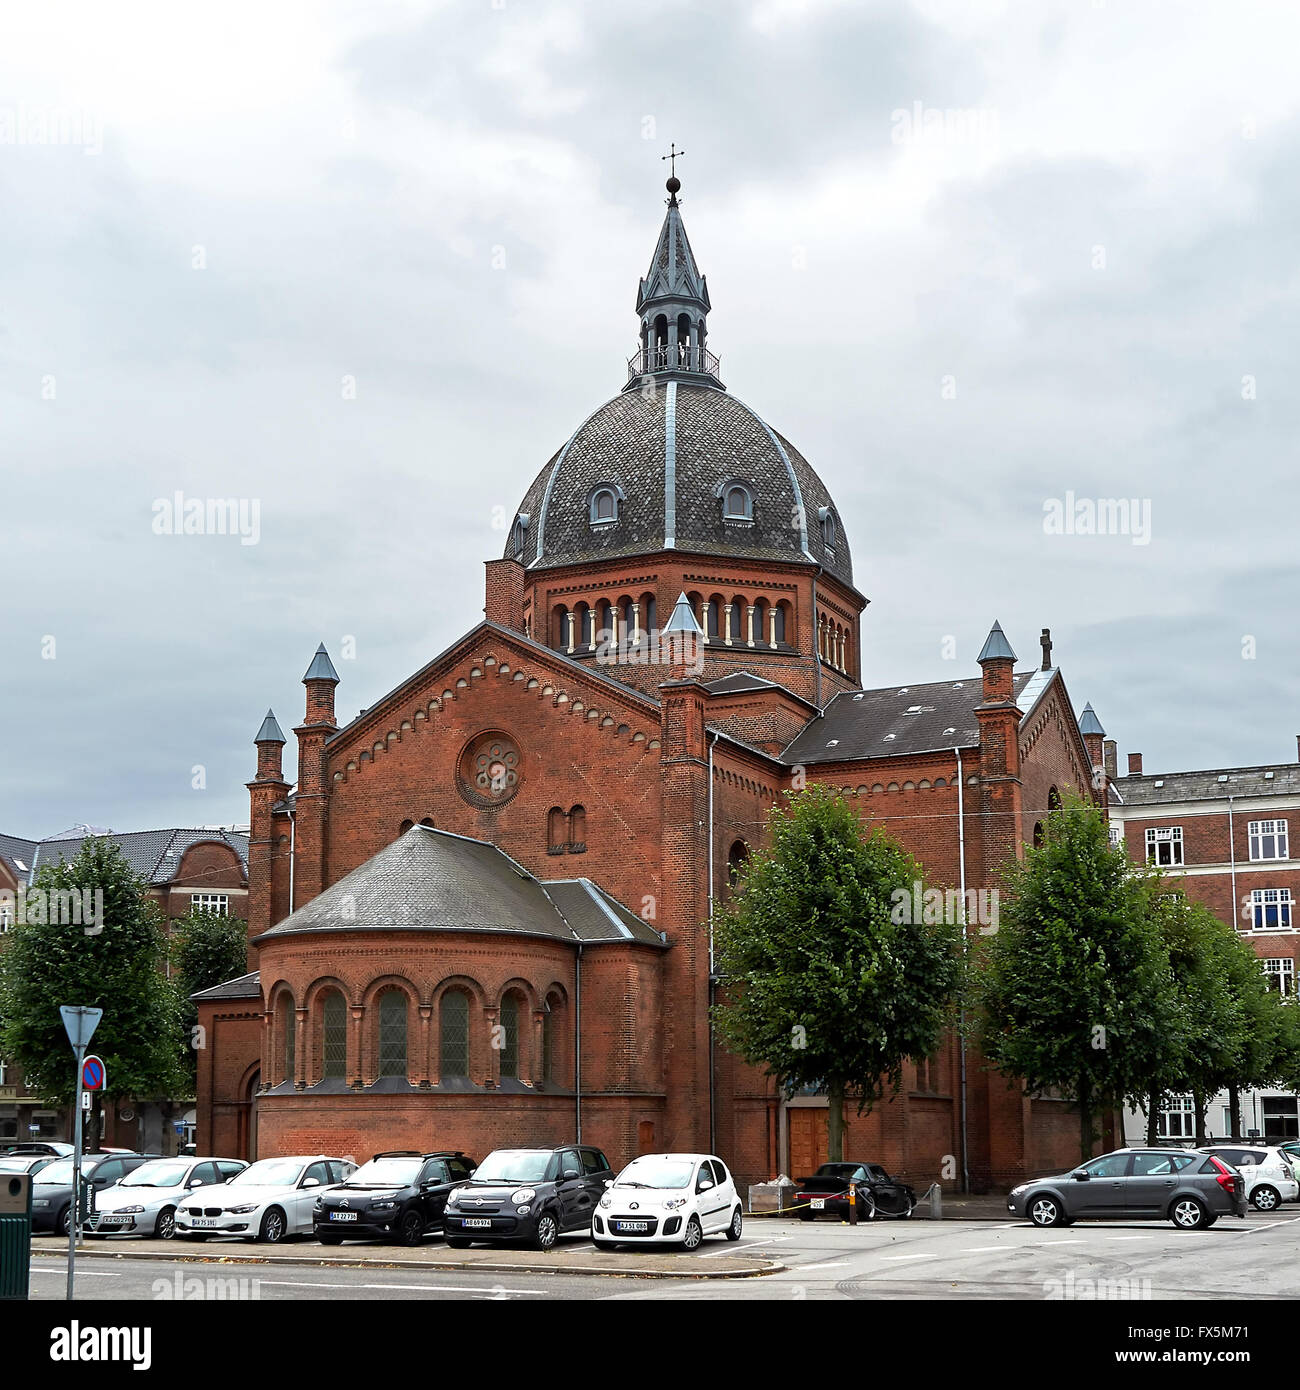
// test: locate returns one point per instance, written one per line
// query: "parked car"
(1191, 1189)
(26, 1163)
(54, 1147)
(52, 1188)
(269, 1200)
(828, 1191)
(533, 1195)
(1270, 1177)
(144, 1202)
(396, 1196)
(676, 1198)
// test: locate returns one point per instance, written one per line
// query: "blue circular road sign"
(92, 1074)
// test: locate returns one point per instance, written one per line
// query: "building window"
(210, 902)
(509, 1036)
(1179, 1120)
(6, 915)
(1116, 833)
(829, 529)
(334, 1050)
(519, 536)
(290, 1038)
(1268, 839)
(453, 1045)
(604, 506)
(557, 831)
(737, 503)
(1269, 909)
(392, 1033)
(1280, 973)
(577, 830)
(1165, 846)
(548, 1045)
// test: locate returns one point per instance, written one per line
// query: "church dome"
(684, 466)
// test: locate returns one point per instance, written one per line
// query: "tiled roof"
(714, 438)
(1214, 784)
(244, 987)
(153, 854)
(895, 720)
(18, 854)
(431, 880)
(594, 916)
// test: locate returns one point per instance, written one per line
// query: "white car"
(269, 1200)
(675, 1199)
(1270, 1177)
(144, 1203)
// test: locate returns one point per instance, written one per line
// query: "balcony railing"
(673, 357)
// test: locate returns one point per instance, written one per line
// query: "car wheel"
(807, 1215)
(1046, 1211)
(737, 1221)
(410, 1228)
(1188, 1214)
(1265, 1198)
(547, 1233)
(459, 1243)
(694, 1234)
(273, 1227)
(165, 1227)
(64, 1222)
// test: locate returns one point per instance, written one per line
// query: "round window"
(489, 769)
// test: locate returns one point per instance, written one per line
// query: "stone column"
(771, 626)
(569, 619)
(749, 626)
(726, 625)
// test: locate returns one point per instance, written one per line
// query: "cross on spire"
(673, 155)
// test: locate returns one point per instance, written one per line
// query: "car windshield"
(157, 1175)
(657, 1172)
(386, 1172)
(60, 1171)
(271, 1172)
(513, 1165)
(21, 1165)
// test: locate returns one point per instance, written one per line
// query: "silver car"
(1180, 1185)
(144, 1203)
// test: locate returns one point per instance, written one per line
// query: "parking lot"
(984, 1259)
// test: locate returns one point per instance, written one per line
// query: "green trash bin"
(15, 1234)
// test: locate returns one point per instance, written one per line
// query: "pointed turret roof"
(996, 646)
(683, 618)
(673, 273)
(1089, 723)
(270, 730)
(321, 668)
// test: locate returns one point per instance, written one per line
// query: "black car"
(876, 1194)
(532, 1195)
(397, 1196)
(52, 1186)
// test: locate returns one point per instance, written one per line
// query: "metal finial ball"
(673, 184)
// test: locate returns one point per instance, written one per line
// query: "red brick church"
(481, 916)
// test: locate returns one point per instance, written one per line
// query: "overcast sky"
(367, 265)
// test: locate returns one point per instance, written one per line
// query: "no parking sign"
(93, 1073)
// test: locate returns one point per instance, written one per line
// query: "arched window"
(557, 830)
(290, 1038)
(649, 615)
(737, 857)
(713, 619)
(559, 627)
(1053, 800)
(453, 1036)
(428, 821)
(392, 1033)
(578, 830)
(334, 1035)
(604, 621)
(738, 503)
(735, 628)
(829, 529)
(405, 826)
(761, 623)
(509, 1022)
(519, 536)
(549, 1020)
(782, 621)
(604, 506)
(1038, 834)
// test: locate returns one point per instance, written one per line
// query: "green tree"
(206, 948)
(827, 981)
(1075, 988)
(116, 967)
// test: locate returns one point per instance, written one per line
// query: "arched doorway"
(248, 1116)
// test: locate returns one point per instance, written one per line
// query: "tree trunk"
(835, 1123)
(1198, 1100)
(1085, 1124)
(1234, 1108)
(1153, 1118)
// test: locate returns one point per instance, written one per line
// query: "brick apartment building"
(205, 867)
(480, 916)
(1226, 834)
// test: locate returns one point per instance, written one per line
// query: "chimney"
(1110, 758)
(1135, 764)
(1045, 641)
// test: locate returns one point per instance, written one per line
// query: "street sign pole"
(80, 1023)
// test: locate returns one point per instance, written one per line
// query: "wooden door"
(809, 1143)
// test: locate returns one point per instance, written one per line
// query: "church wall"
(232, 1047)
(1050, 758)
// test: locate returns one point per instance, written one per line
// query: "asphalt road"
(1254, 1259)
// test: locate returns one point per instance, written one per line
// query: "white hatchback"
(268, 1201)
(675, 1199)
(1270, 1178)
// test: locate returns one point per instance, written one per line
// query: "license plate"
(343, 1216)
(198, 1222)
(633, 1225)
(478, 1223)
(818, 1203)
(114, 1220)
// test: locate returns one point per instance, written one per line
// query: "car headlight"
(454, 1199)
(1016, 1191)
(606, 1200)
(524, 1210)
(241, 1211)
(674, 1202)
(40, 1201)
(385, 1205)
(525, 1194)
(130, 1210)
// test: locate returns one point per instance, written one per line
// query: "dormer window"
(829, 529)
(604, 506)
(519, 536)
(737, 500)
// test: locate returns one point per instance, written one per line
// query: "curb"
(755, 1269)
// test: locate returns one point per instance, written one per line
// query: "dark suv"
(533, 1195)
(1190, 1189)
(396, 1196)
(52, 1186)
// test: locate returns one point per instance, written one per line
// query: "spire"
(996, 647)
(270, 730)
(321, 668)
(673, 304)
(683, 618)
(1089, 723)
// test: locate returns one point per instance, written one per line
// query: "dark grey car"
(1190, 1189)
(52, 1186)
